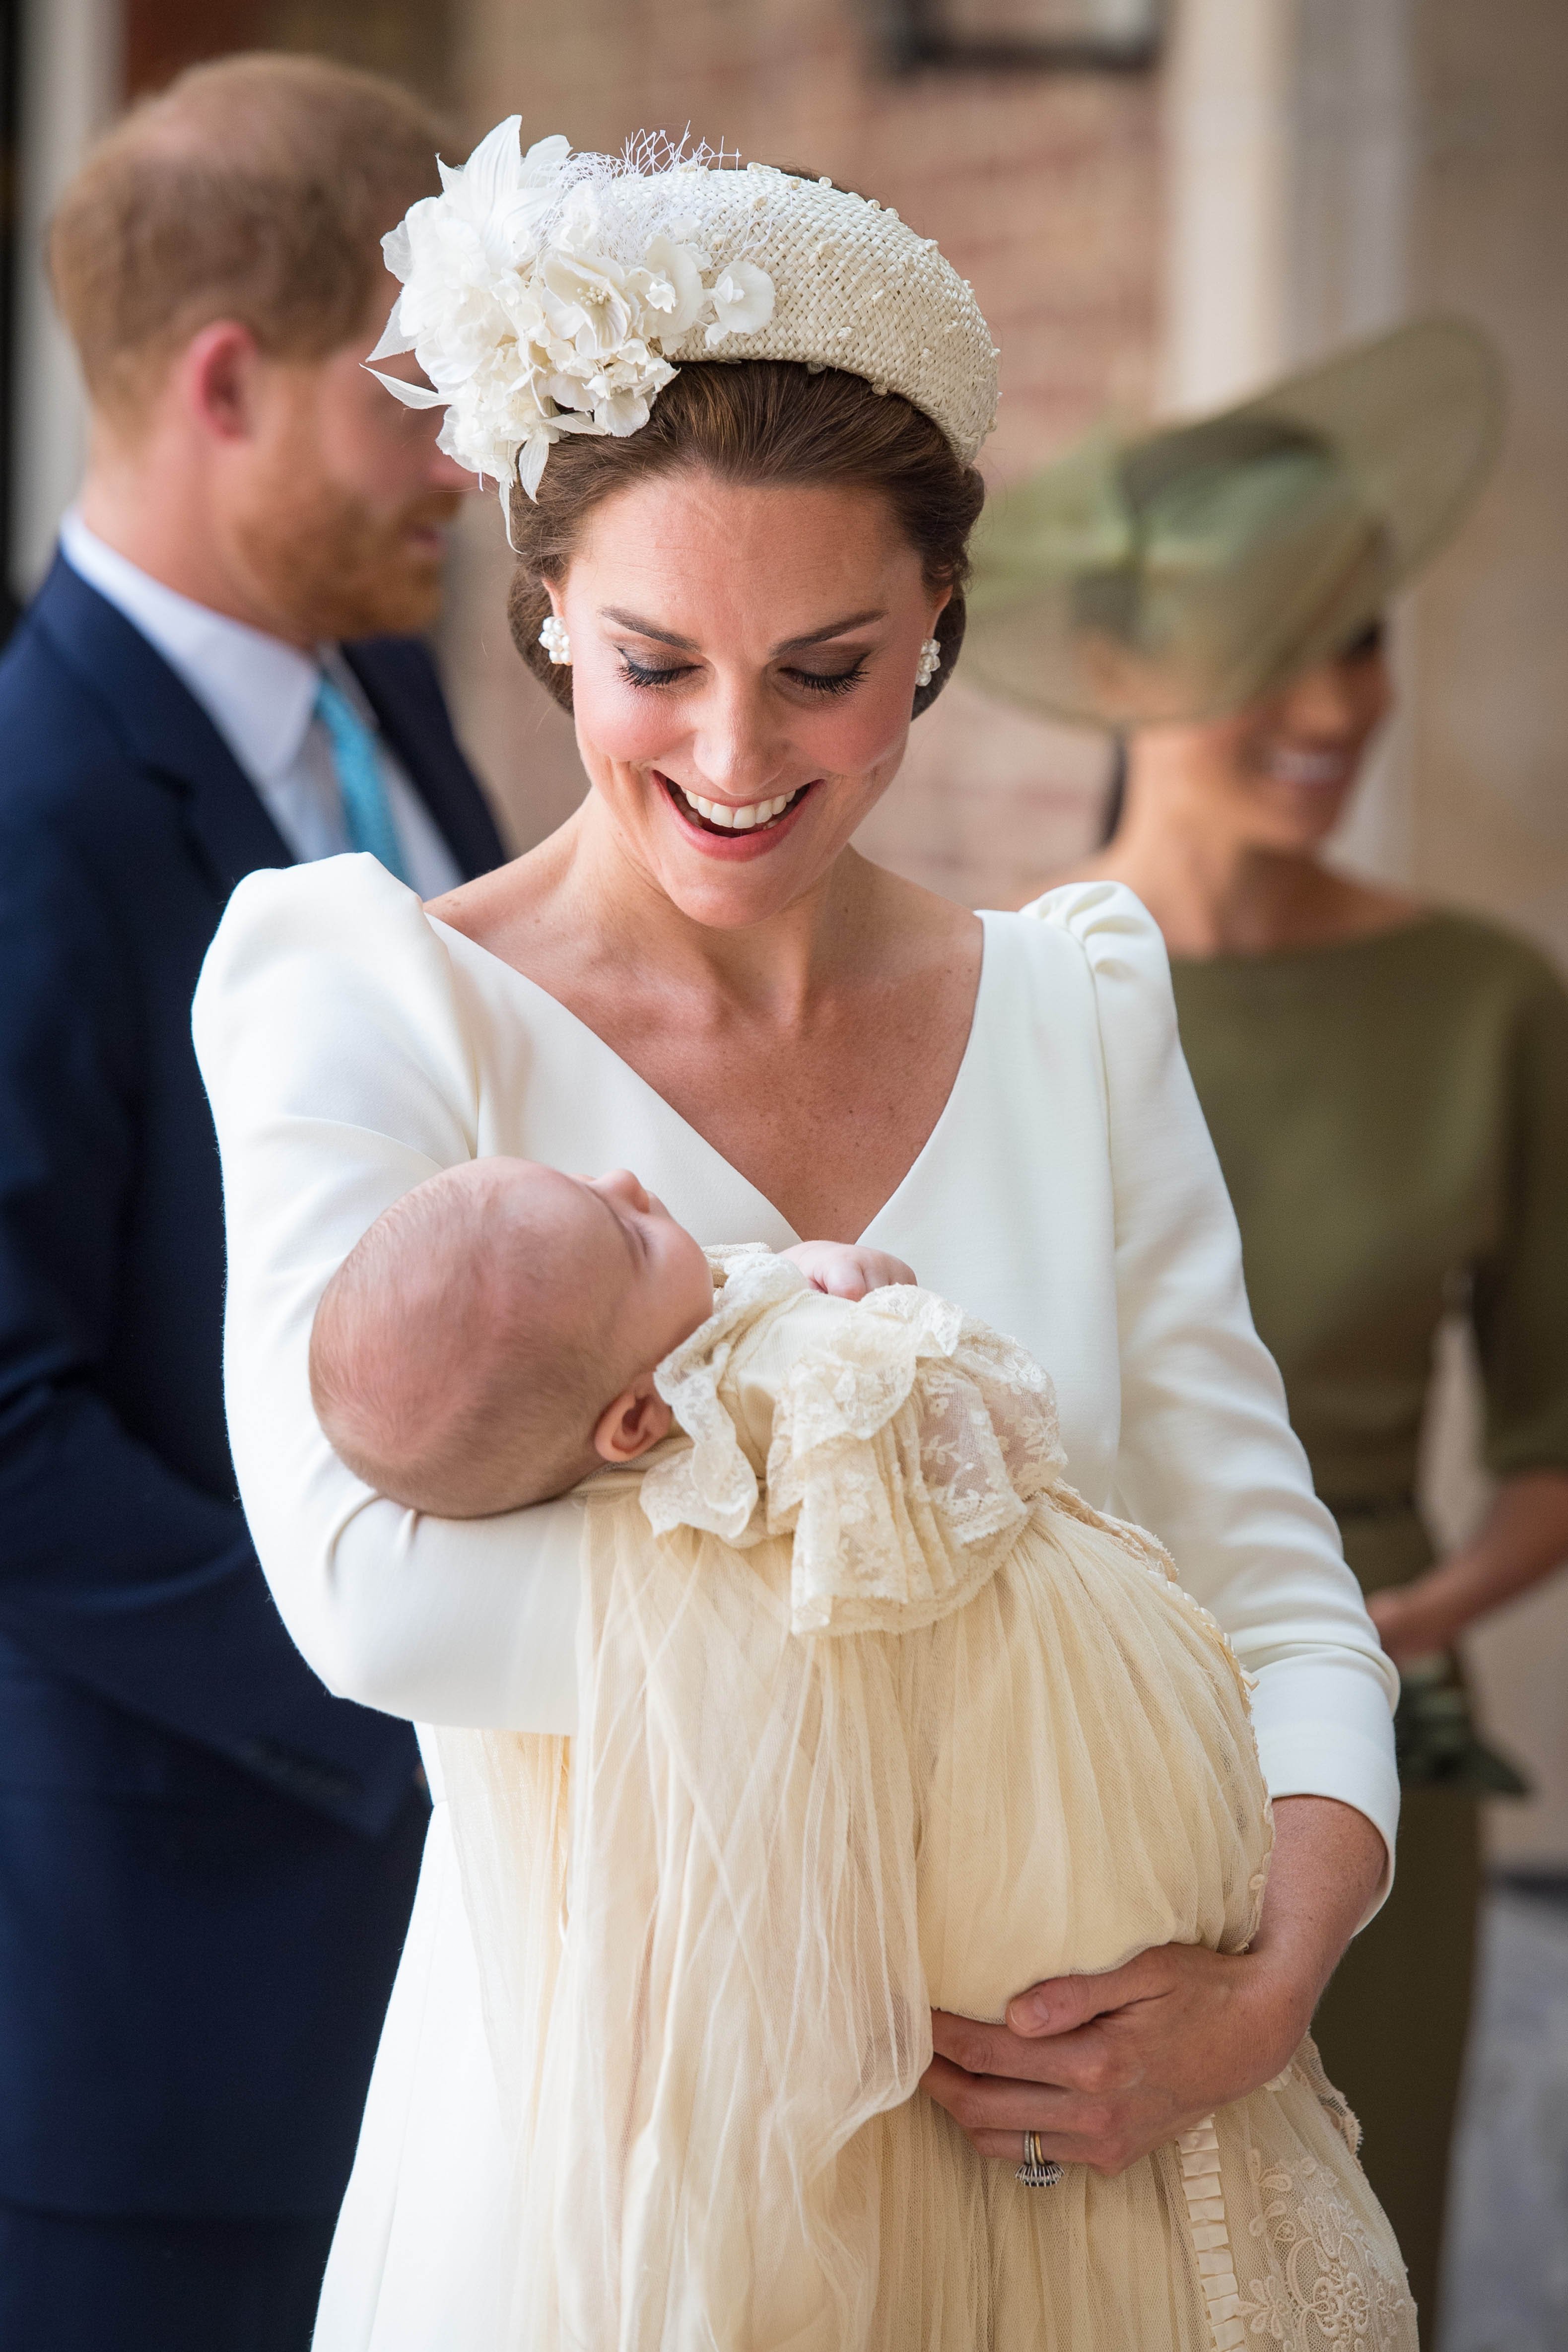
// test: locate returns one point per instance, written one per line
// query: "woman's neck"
(769, 972)
(1214, 892)
(583, 918)
(813, 1051)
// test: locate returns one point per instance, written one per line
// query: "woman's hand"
(847, 1269)
(1105, 2068)
(1524, 1537)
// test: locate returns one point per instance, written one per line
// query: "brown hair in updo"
(756, 421)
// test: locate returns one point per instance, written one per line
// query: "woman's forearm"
(1523, 1538)
(1328, 1864)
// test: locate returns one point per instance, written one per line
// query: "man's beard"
(330, 567)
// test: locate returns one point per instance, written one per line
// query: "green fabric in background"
(1392, 1117)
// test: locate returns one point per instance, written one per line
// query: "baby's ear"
(637, 1419)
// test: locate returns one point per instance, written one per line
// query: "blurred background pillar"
(1227, 103)
(69, 79)
(1289, 141)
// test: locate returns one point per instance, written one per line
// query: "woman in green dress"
(1386, 1082)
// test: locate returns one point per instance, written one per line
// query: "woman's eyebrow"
(642, 628)
(635, 622)
(833, 629)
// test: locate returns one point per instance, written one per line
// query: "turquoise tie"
(365, 810)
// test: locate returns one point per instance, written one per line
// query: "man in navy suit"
(206, 1864)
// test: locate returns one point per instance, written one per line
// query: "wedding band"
(1037, 2170)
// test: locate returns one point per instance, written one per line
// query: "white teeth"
(737, 820)
(1309, 768)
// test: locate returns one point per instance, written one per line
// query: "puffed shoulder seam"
(343, 912)
(1106, 919)
(329, 904)
(1124, 954)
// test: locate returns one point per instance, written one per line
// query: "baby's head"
(493, 1335)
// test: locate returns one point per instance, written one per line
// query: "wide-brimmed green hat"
(1187, 571)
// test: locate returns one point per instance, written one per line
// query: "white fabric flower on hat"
(588, 304)
(742, 300)
(528, 324)
(670, 285)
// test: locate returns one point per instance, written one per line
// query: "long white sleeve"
(351, 1049)
(340, 1075)
(1207, 1457)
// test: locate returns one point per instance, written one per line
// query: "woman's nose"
(735, 745)
(1328, 702)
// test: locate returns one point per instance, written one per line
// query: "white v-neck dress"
(1068, 1195)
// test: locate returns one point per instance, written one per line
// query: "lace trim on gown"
(908, 1444)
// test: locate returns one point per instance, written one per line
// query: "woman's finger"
(1090, 2064)
(990, 2102)
(994, 2117)
(1081, 2060)
(1061, 2004)
(1008, 2146)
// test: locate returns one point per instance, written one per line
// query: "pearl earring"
(552, 636)
(928, 663)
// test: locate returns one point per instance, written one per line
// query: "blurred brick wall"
(1043, 189)
(409, 38)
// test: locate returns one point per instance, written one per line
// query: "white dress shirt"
(260, 693)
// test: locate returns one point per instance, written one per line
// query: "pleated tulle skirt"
(710, 1930)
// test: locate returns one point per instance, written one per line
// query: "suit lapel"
(168, 733)
(163, 727)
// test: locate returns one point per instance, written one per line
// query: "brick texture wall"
(1043, 190)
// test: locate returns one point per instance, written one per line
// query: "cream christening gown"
(875, 1714)
(1068, 1195)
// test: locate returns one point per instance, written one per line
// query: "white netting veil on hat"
(549, 292)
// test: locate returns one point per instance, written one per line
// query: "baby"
(492, 1339)
(875, 1714)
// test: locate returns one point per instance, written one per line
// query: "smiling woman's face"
(743, 664)
(1278, 774)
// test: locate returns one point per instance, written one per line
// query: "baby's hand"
(847, 1269)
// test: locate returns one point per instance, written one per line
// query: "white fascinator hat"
(548, 292)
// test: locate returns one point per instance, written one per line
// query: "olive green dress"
(1392, 1117)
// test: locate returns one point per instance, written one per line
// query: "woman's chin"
(728, 876)
(1296, 820)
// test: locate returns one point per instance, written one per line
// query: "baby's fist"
(847, 1269)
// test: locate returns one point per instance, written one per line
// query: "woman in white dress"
(743, 578)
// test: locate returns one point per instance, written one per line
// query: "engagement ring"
(1037, 2170)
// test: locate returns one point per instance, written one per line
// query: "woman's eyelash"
(832, 681)
(836, 681)
(636, 674)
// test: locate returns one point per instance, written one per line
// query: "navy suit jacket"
(206, 1861)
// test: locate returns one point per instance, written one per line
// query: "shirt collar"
(258, 691)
